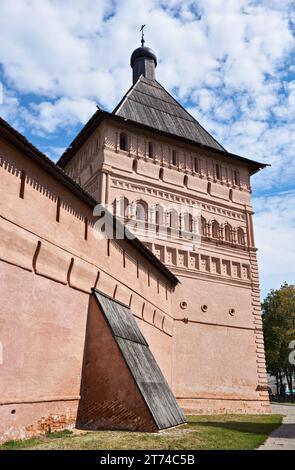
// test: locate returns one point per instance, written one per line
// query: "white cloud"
(63, 113)
(80, 49)
(10, 108)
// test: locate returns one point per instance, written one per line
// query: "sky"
(229, 62)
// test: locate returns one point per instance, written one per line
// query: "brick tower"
(153, 164)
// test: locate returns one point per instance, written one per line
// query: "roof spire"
(142, 35)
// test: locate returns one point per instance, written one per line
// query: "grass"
(20, 444)
(226, 432)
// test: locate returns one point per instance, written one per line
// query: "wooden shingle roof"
(148, 103)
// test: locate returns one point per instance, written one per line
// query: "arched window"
(241, 236)
(174, 158)
(151, 150)
(203, 226)
(173, 219)
(215, 229)
(123, 141)
(188, 222)
(227, 233)
(141, 211)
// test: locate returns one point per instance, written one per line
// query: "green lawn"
(202, 432)
(282, 403)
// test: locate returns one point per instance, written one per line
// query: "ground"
(202, 432)
(282, 438)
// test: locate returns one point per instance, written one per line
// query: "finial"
(142, 35)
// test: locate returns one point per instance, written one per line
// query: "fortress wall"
(49, 261)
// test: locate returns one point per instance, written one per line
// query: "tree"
(278, 315)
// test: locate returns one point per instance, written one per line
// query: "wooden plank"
(141, 362)
(119, 318)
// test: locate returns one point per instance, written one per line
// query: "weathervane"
(142, 35)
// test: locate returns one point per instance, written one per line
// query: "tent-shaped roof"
(148, 103)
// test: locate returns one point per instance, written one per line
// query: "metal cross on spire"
(142, 35)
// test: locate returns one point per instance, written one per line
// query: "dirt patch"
(51, 423)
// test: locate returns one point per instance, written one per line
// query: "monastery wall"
(49, 261)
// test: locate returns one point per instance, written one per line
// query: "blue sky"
(230, 62)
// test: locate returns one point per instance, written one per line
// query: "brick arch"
(159, 214)
(141, 210)
(173, 219)
(188, 222)
(228, 232)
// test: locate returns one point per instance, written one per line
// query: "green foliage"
(278, 311)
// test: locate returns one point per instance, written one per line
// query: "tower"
(189, 201)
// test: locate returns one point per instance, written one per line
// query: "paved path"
(282, 438)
